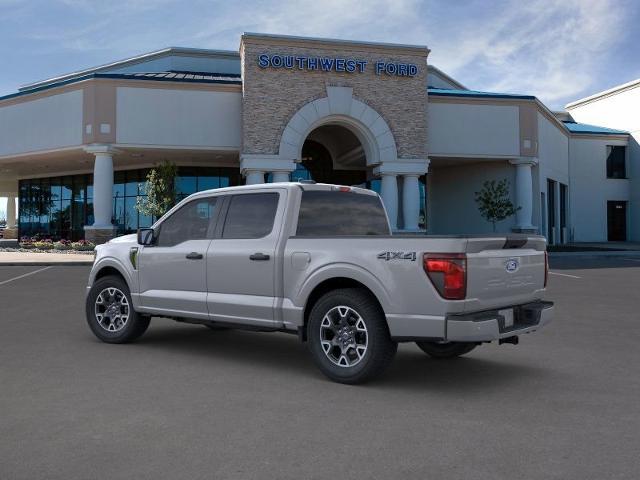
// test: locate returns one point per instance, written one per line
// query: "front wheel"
(348, 336)
(446, 349)
(110, 313)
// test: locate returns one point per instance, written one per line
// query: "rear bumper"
(490, 325)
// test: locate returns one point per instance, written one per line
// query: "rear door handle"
(259, 256)
(195, 256)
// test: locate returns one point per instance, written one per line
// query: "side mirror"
(146, 236)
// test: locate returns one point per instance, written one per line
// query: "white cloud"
(350, 19)
(547, 48)
(554, 49)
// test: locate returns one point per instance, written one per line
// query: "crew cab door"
(241, 260)
(173, 271)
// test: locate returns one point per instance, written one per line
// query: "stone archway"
(340, 108)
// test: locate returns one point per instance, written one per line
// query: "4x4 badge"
(411, 256)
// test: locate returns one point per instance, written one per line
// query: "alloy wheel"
(343, 336)
(112, 309)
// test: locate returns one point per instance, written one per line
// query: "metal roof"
(444, 92)
(145, 57)
(575, 127)
(186, 77)
(176, 75)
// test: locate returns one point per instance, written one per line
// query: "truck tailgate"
(504, 271)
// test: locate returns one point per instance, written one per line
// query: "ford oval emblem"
(511, 265)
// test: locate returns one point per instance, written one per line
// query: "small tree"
(494, 203)
(160, 190)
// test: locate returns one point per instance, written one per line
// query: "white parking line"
(25, 275)
(564, 275)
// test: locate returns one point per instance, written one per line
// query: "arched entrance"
(332, 153)
(340, 139)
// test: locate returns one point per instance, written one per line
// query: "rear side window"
(250, 215)
(329, 213)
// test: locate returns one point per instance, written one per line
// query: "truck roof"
(288, 185)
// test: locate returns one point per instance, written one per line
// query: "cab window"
(250, 215)
(329, 213)
(193, 221)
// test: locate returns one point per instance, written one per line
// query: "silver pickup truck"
(318, 261)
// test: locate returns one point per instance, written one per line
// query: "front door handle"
(259, 256)
(195, 256)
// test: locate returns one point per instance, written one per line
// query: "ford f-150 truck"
(319, 261)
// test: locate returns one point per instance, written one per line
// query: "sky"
(558, 50)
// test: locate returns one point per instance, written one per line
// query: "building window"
(564, 202)
(551, 211)
(616, 161)
(60, 207)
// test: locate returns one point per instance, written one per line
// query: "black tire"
(379, 349)
(135, 324)
(446, 350)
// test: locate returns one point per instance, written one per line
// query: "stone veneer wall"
(271, 96)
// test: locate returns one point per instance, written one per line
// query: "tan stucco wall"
(272, 96)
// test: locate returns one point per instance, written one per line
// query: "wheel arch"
(110, 266)
(337, 279)
(109, 270)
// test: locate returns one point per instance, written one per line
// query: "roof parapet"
(145, 57)
(603, 94)
(289, 39)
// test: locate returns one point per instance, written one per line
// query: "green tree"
(160, 190)
(494, 203)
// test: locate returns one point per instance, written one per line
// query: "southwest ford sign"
(331, 64)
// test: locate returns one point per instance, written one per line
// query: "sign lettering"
(331, 64)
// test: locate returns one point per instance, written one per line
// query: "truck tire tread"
(136, 325)
(381, 348)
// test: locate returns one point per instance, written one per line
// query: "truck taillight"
(448, 274)
(546, 268)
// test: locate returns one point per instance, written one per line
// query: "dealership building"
(75, 149)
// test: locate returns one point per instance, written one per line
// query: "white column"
(103, 190)
(410, 169)
(253, 177)
(280, 176)
(524, 192)
(253, 167)
(410, 201)
(102, 187)
(11, 211)
(389, 194)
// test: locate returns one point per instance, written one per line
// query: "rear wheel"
(348, 336)
(110, 312)
(446, 349)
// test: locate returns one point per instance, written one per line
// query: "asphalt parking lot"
(186, 402)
